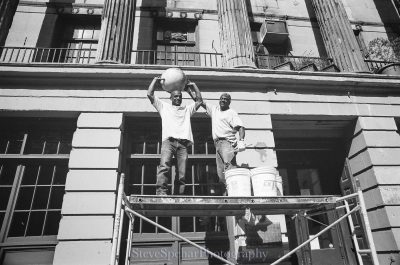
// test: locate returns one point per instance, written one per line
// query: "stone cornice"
(116, 76)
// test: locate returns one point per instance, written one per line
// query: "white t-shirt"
(175, 119)
(223, 122)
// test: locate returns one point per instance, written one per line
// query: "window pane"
(137, 147)
(18, 224)
(51, 147)
(60, 175)
(200, 147)
(211, 147)
(166, 222)
(45, 175)
(4, 196)
(57, 194)
(3, 144)
(151, 146)
(24, 198)
(36, 222)
(150, 174)
(88, 34)
(147, 227)
(149, 190)
(186, 224)
(78, 33)
(65, 147)
(28, 256)
(34, 145)
(52, 223)
(41, 198)
(2, 214)
(30, 174)
(96, 34)
(7, 174)
(14, 146)
(11, 142)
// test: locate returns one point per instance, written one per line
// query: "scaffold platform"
(225, 206)
(144, 206)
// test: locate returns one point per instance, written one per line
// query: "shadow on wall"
(6, 8)
(259, 148)
(315, 28)
(387, 12)
(147, 26)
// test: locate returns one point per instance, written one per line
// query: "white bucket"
(238, 182)
(266, 181)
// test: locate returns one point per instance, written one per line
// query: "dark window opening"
(74, 40)
(175, 42)
(32, 180)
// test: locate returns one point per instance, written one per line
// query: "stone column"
(338, 36)
(7, 11)
(116, 35)
(374, 159)
(88, 208)
(235, 34)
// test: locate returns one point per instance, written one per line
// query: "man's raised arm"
(152, 87)
(197, 97)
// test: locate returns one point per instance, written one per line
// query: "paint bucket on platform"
(266, 181)
(238, 182)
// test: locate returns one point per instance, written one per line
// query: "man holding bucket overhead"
(176, 127)
(225, 123)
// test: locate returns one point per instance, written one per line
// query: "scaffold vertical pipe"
(353, 235)
(129, 241)
(118, 208)
(121, 223)
(367, 227)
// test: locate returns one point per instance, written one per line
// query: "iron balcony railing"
(47, 55)
(374, 66)
(202, 59)
(297, 62)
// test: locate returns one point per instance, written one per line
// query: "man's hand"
(158, 80)
(150, 91)
(241, 146)
(189, 88)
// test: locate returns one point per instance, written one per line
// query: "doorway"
(311, 151)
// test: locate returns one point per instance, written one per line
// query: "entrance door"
(313, 172)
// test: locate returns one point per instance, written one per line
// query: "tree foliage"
(384, 50)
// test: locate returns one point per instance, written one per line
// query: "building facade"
(302, 74)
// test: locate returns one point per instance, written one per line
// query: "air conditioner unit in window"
(273, 32)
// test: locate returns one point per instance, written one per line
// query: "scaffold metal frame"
(141, 206)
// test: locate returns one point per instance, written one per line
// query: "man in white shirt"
(225, 123)
(176, 134)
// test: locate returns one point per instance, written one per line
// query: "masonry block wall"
(89, 203)
(375, 160)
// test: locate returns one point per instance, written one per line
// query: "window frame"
(22, 160)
